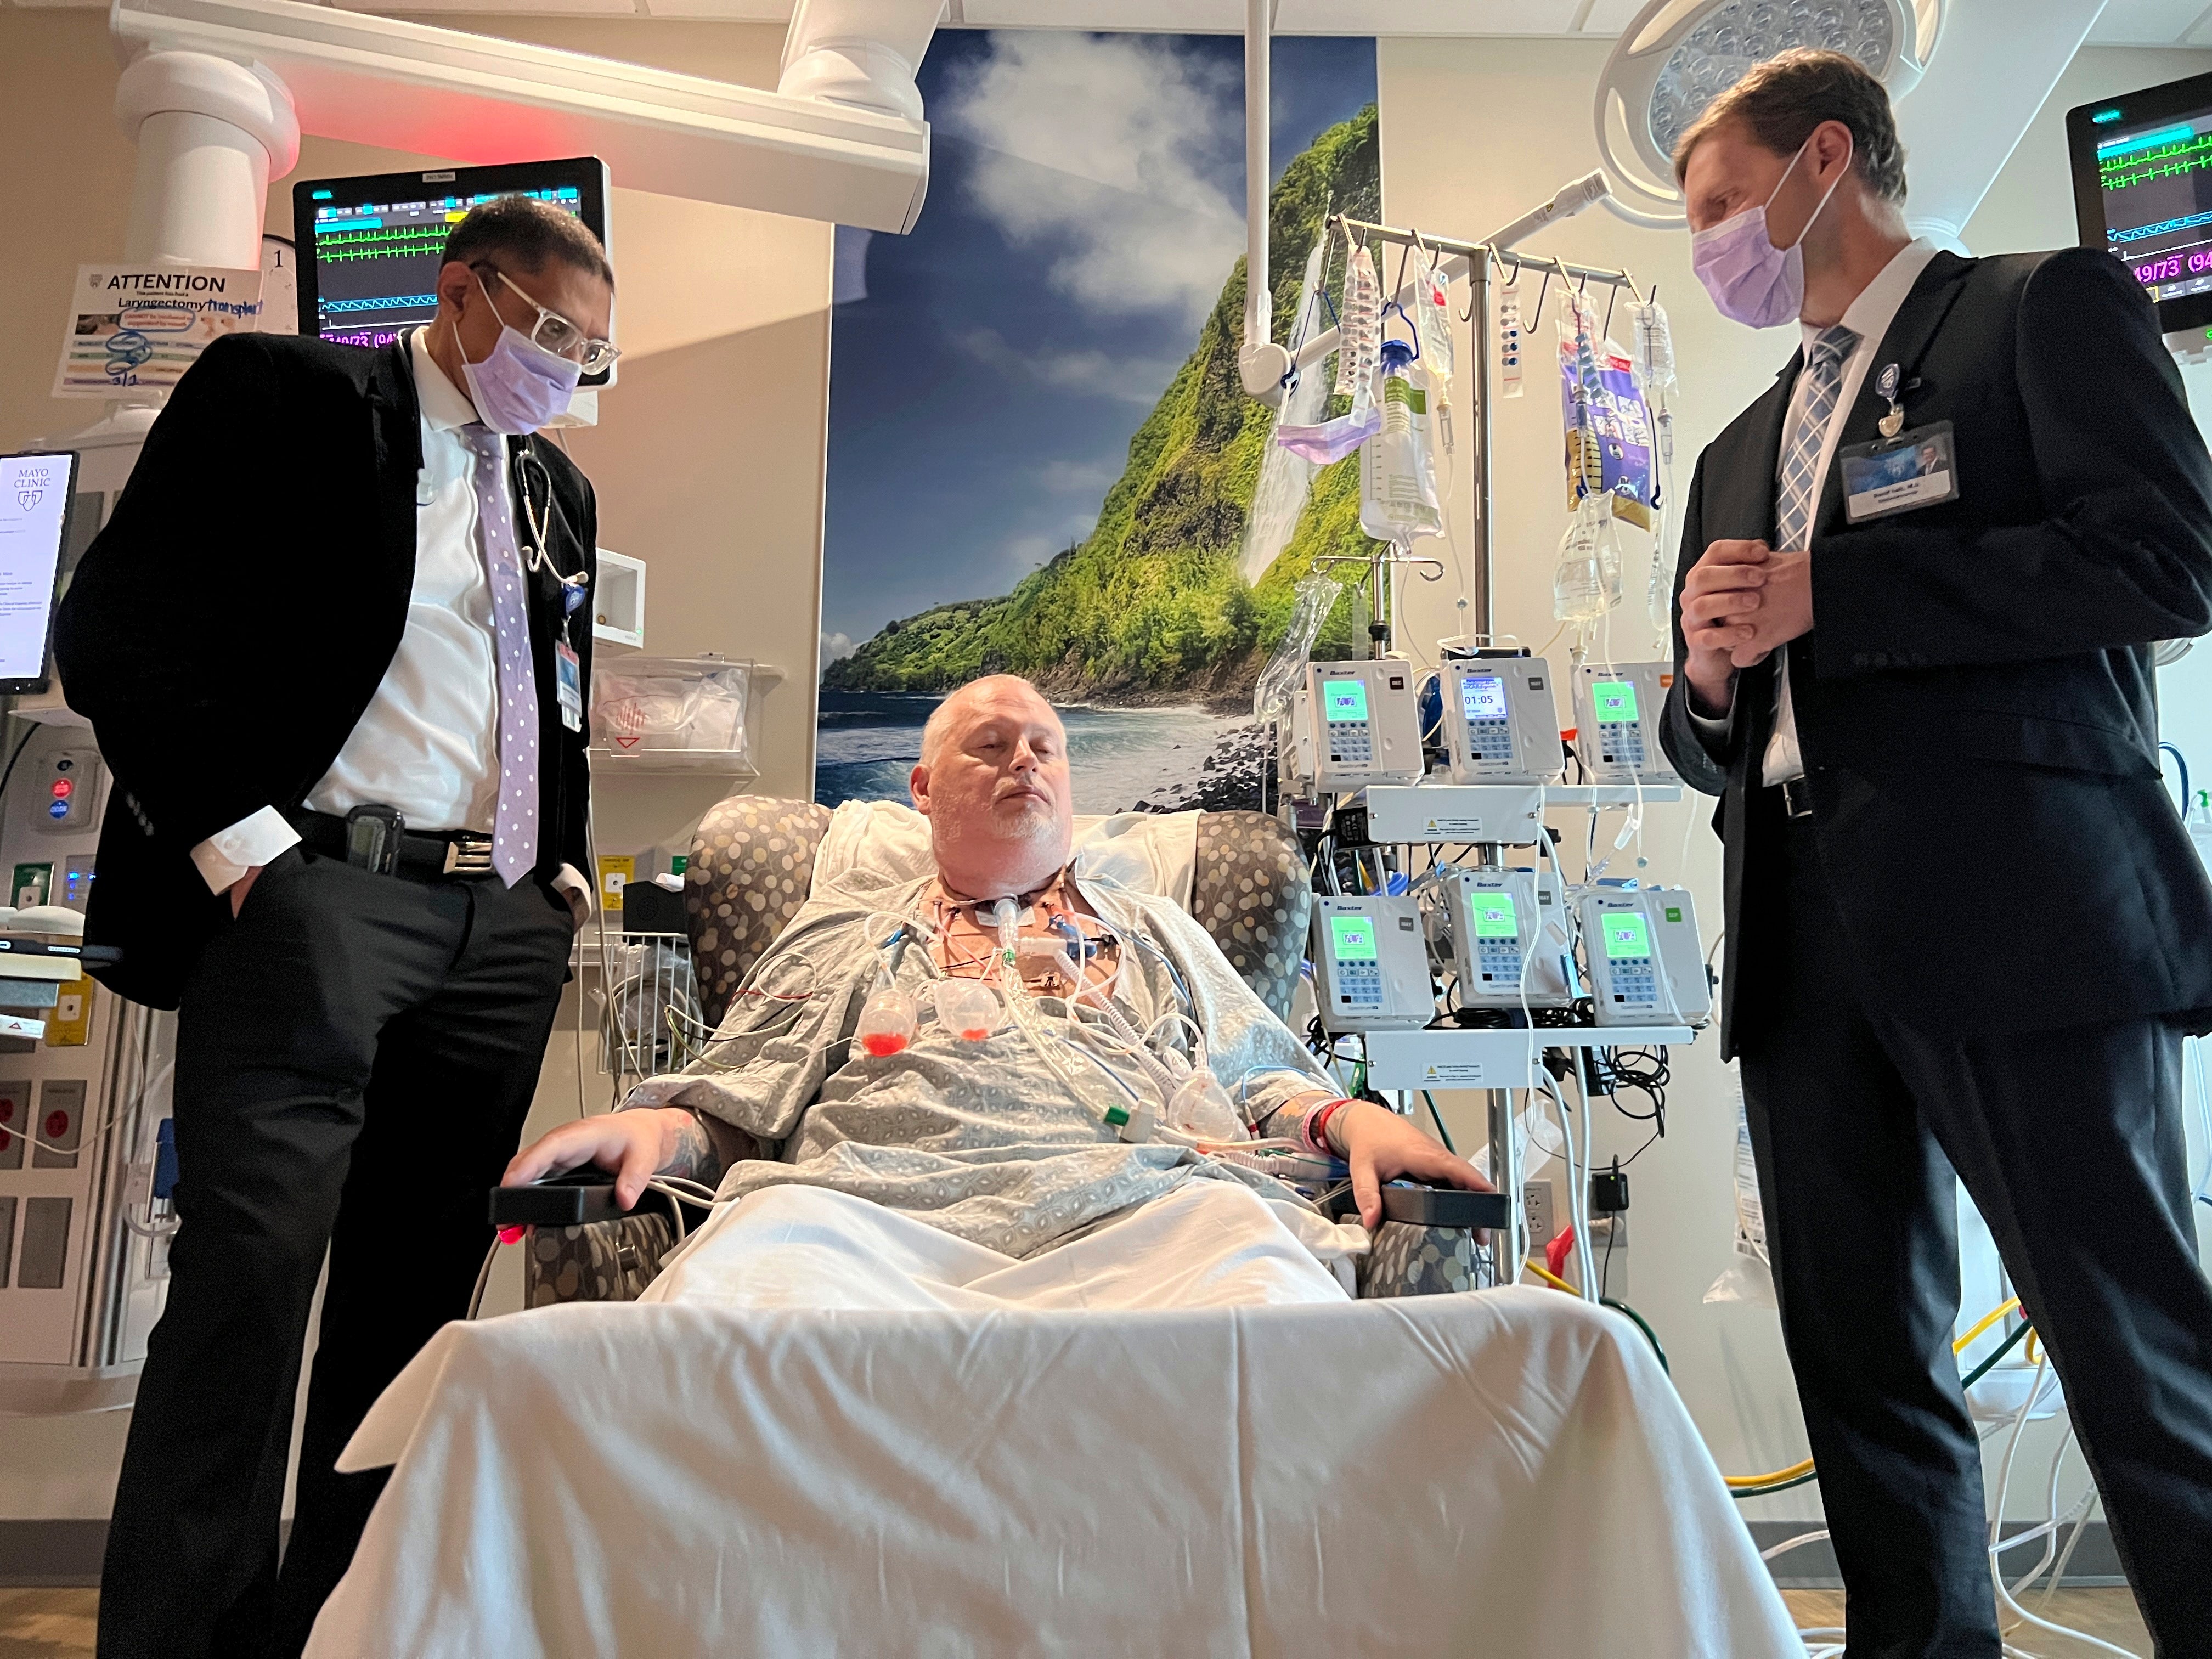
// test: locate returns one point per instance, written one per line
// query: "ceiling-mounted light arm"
(1261, 364)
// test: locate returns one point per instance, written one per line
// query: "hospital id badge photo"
(569, 684)
(1913, 470)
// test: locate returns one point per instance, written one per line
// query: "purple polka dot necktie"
(515, 831)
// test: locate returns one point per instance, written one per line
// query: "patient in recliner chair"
(996, 1084)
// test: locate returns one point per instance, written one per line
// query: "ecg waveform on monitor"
(2169, 161)
(390, 242)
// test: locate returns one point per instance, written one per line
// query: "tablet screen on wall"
(35, 494)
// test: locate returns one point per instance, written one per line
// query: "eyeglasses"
(556, 334)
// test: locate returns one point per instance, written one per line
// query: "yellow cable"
(1740, 1482)
(1983, 1323)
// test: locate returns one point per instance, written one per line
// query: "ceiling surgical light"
(1679, 55)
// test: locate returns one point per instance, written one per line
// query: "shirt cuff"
(568, 882)
(226, 856)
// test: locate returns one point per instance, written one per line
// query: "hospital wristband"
(1314, 1131)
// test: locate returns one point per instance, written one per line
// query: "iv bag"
(1362, 329)
(1432, 322)
(1278, 681)
(1586, 584)
(1397, 473)
(1654, 351)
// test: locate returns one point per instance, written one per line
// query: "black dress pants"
(2070, 1144)
(356, 1056)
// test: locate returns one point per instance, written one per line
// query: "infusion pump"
(1646, 964)
(1500, 724)
(1509, 942)
(1618, 709)
(1356, 723)
(1370, 963)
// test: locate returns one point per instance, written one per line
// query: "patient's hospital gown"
(983, 1140)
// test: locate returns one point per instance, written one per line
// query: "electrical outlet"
(1536, 1204)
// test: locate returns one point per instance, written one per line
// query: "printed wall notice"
(142, 326)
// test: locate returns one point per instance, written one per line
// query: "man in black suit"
(333, 645)
(1965, 928)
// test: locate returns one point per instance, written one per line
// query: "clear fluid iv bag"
(1587, 582)
(1286, 669)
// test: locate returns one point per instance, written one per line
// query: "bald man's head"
(993, 782)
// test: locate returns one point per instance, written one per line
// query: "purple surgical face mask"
(521, 385)
(1751, 281)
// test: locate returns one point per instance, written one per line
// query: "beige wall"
(707, 460)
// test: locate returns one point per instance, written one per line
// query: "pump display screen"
(371, 246)
(1494, 916)
(1483, 696)
(35, 492)
(1626, 935)
(1352, 939)
(1615, 701)
(1345, 700)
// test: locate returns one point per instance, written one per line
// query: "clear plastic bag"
(679, 710)
(1280, 680)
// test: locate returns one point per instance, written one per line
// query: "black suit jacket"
(227, 627)
(1976, 704)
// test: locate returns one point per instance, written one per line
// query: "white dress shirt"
(1869, 317)
(428, 744)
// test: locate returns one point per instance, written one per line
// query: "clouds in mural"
(1133, 136)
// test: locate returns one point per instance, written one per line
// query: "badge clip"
(1893, 423)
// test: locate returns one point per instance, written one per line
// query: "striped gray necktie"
(1800, 448)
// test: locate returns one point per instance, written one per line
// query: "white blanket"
(953, 1453)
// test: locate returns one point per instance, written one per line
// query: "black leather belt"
(1796, 799)
(422, 857)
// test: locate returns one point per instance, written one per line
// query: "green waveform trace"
(2171, 163)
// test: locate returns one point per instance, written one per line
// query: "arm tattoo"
(695, 1157)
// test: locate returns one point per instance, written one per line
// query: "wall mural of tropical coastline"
(1041, 460)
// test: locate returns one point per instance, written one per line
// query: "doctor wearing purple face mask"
(352, 860)
(1921, 580)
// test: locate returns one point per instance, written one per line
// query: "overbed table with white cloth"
(1502, 1472)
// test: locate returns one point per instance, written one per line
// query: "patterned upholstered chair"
(752, 863)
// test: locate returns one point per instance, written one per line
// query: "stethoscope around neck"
(574, 589)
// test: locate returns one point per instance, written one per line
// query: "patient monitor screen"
(34, 506)
(1353, 938)
(2143, 191)
(1345, 700)
(1627, 936)
(371, 246)
(2156, 186)
(1615, 701)
(1483, 698)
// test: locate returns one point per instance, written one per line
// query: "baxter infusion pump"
(1372, 964)
(1646, 964)
(1500, 725)
(1358, 723)
(1617, 714)
(1502, 921)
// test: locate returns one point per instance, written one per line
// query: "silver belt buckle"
(1796, 799)
(468, 856)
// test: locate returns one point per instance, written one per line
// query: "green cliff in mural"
(1152, 605)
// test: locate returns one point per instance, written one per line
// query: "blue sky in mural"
(1086, 203)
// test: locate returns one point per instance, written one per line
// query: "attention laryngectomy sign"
(140, 327)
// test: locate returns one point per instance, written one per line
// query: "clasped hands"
(1739, 602)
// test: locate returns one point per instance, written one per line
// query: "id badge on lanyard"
(569, 683)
